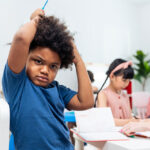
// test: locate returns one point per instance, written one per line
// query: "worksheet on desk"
(97, 124)
(95, 120)
(101, 136)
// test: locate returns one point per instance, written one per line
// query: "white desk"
(131, 144)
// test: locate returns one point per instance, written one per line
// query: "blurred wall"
(103, 29)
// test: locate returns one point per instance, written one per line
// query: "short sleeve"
(66, 94)
(11, 83)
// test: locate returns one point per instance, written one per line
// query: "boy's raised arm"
(84, 98)
(21, 42)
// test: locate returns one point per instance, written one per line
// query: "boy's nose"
(45, 69)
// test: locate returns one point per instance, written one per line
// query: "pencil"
(45, 4)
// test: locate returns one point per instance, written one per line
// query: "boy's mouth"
(42, 79)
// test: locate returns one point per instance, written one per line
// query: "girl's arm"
(20, 45)
(122, 122)
(84, 98)
(142, 125)
(101, 100)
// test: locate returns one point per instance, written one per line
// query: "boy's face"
(42, 66)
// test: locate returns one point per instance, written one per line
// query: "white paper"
(97, 124)
(103, 136)
(95, 120)
(100, 136)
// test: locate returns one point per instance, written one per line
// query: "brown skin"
(117, 83)
(42, 64)
(94, 89)
(84, 99)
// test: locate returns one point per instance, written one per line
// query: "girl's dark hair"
(53, 34)
(128, 73)
(91, 75)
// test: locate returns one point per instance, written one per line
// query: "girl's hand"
(37, 13)
(132, 127)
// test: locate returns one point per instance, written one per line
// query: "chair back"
(129, 92)
(4, 125)
(140, 102)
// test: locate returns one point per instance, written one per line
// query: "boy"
(39, 49)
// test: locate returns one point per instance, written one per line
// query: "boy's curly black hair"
(54, 35)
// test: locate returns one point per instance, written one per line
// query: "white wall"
(143, 36)
(104, 29)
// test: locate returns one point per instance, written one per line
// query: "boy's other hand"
(37, 13)
(76, 54)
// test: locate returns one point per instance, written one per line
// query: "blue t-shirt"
(36, 113)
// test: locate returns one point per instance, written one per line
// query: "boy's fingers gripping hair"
(37, 13)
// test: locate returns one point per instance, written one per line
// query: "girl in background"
(120, 72)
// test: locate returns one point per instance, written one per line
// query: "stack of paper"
(97, 124)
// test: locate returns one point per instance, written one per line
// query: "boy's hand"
(76, 54)
(37, 13)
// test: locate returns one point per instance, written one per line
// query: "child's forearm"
(122, 122)
(26, 33)
(20, 47)
(85, 94)
(146, 120)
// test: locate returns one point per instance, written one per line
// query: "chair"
(140, 102)
(69, 116)
(11, 143)
(129, 92)
(4, 125)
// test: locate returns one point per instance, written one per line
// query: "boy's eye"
(38, 61)
(54, 67)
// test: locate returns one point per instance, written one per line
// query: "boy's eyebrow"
(37, 57)
(55, 63)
